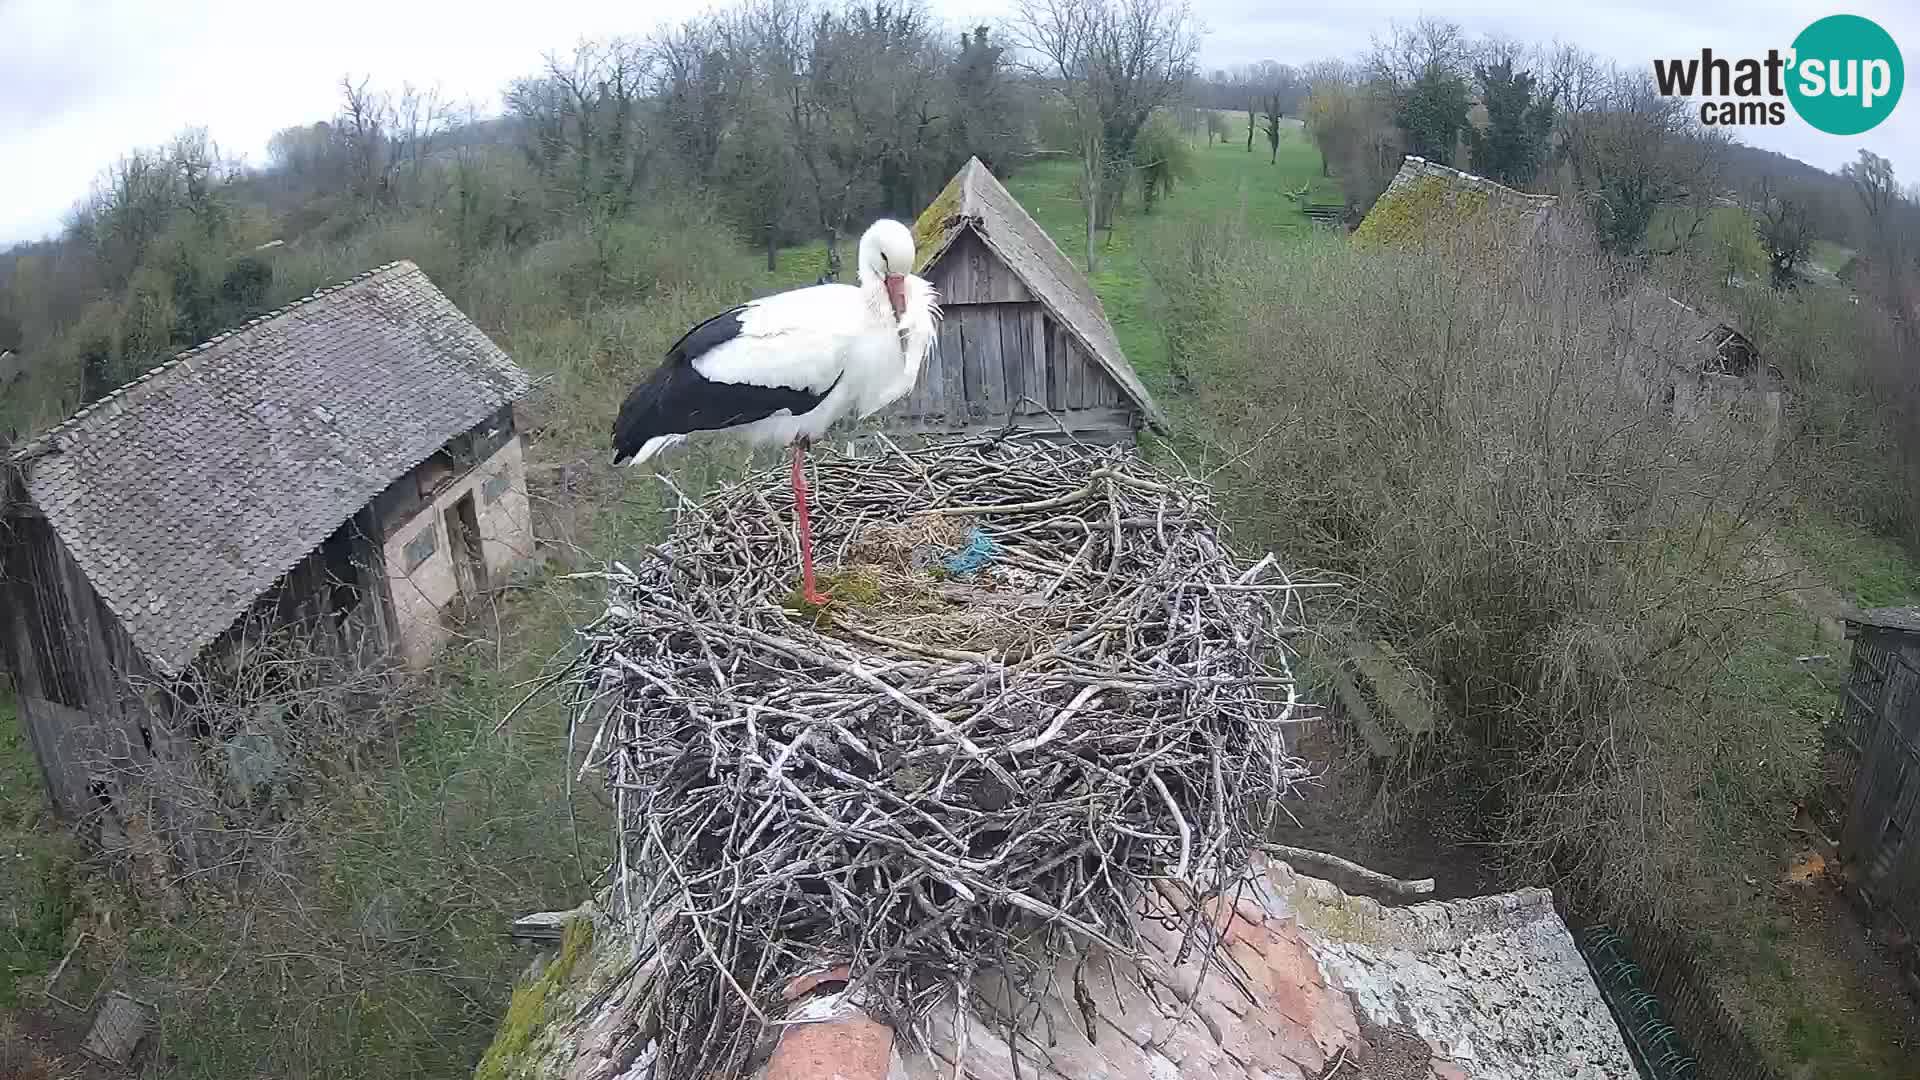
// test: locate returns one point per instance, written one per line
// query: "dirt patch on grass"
(1813, 984)
(35, 1044)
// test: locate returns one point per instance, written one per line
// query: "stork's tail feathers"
(650, 449)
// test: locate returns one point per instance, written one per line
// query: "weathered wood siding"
(88, 699)
(1000, 354)
(1003, 359)
(970, 274)
(336, 593)
(1880, 735)
(66, 650)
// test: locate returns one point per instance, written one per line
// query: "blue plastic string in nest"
(979, 552)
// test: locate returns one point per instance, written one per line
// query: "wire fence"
(1675, 1026)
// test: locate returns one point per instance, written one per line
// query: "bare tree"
(362, 129)
(1872, 177)
(1637, 151)
(1412, 51)
(1785, 231)
(1350, 118)
(1216, 127)
(1890, 232)
(419, 117)
(583, 122)
(858, 103)
(1238, 85)
(1270, 123)
(1112, 63)
(700, 77)
(1578, 80)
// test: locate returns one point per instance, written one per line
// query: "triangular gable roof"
(1425, 196)
(185, 494)
(1662, 328)
(975, 200)
(1424, 193)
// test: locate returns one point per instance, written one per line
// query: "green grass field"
(1866, 570)
(1227, 182)
(1829, 256)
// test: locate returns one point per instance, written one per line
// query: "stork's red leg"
(807, 591)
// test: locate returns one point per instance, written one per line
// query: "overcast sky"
(82, 81)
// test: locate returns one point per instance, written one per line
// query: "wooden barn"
(1023, 338)
(346, 466)
(1878, 744)
(1696, 363)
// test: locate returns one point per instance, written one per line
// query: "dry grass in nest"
(930, 776)
(894, 583)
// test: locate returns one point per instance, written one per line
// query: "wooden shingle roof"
(975, 200)
(184, 495)
(1904, 619)
(1660, 329)
(1425, 195)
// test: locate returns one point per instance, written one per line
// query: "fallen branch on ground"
(1394, 885)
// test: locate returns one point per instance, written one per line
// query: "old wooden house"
(1696, 362)
(346, 466)
(1692, 363)
(1877, 744)
(1023, 338)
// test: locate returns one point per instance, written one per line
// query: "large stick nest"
(942, 772)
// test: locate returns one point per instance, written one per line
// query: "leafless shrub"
(1570, 568)
(233, 750)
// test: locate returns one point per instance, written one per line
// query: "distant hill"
(1751, 163)
(1831, 195)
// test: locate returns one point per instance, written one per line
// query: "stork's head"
(886, 256)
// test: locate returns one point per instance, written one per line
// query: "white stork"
(785, 368)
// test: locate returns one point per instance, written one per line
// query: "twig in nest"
(858, 787)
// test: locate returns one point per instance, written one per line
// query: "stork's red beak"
(897, 293)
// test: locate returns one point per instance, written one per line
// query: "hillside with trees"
(1617, 629)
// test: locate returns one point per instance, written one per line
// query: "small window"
(496, 486)
(421, 547)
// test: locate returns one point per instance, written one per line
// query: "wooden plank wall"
(77, 672)
(1878, 840)
(970, 274)
(993, 360)
(68, 653)
(999, 353)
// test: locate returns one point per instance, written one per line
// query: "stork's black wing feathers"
(677, 400)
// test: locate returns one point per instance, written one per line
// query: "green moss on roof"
(930, 227)
(1407, 214)
(509, 1057)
